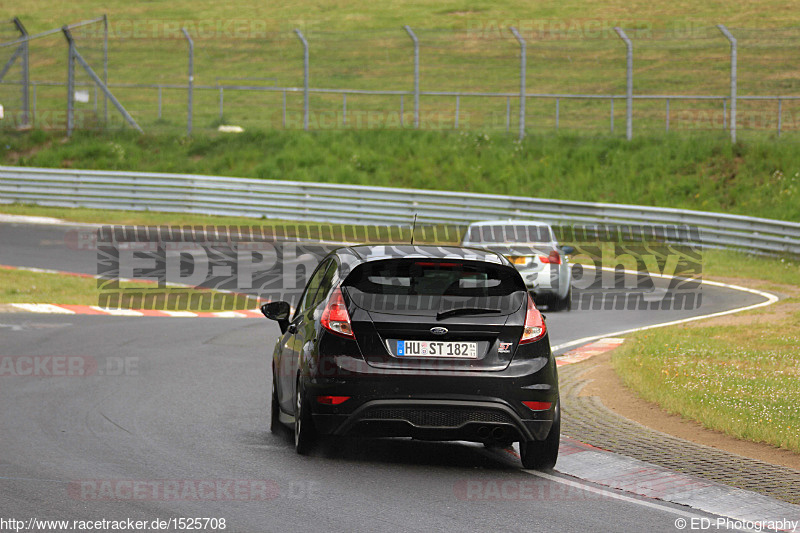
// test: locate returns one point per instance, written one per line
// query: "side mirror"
(278, 311)
(568, 250)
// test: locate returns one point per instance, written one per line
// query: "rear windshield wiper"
(465, 311)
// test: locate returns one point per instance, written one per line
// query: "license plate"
(467, 350)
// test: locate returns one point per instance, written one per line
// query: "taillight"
(332, 400)
(335, 317)
(538, 406)
(534, 324)
(554, 258)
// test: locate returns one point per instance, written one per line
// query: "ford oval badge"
(438, 330)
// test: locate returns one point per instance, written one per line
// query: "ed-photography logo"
(613, 267)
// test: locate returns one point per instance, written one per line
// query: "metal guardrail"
(336, 203)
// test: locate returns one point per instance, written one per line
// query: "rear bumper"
(474, 421)
(471, 406)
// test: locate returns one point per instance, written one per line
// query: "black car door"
(299, 332)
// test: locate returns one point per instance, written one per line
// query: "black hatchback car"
(434, 343)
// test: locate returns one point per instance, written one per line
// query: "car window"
(431, 286)
(509, 233)
(325, 284)
(310, 293)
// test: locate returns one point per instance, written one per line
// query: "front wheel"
(542, 454)
(304, 434)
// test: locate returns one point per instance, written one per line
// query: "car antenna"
(413, 228)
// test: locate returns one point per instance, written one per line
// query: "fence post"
(416, 73)
(25, 73)
(105, 68)
(732, 40)
(305, 77)
(780, 115)
(667, 119)
(629, 83)
(557, 110)
(522, 79)
(190, 109)
(70, 81)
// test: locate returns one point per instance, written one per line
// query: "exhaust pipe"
(483, 432)
(498, 434)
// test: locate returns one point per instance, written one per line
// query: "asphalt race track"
(183, 403)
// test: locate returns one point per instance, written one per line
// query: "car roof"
(509, 222)
(353, 255)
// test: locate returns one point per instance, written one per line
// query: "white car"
(532, 248)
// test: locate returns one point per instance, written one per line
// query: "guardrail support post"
(732, 40)
(629, 83)
(190, 103)
(523, 60)
(305, 77)
(416, 73)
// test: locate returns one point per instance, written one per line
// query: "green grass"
(572, 48)
(20, 286)
(742, 379)
(739, 375)
(133, 218)
(776, 272)
(757, 177)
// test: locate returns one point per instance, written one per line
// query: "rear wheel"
(304, 434)
(563, 304)
(542, 454)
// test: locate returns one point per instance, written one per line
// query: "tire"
(304, 434)
(275, 425)
(542, 454)
(563, 304)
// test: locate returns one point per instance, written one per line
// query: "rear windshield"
(435, 286)
(509, 233)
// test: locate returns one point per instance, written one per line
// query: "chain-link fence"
(14, 73)
(573, 79)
